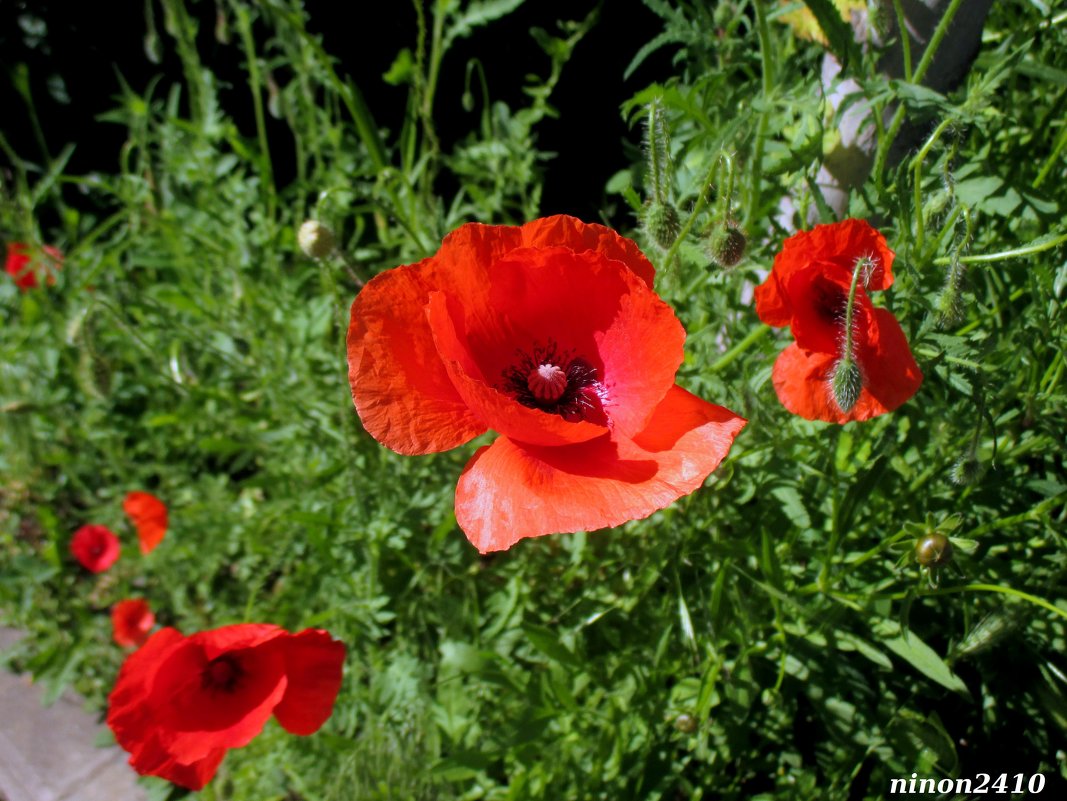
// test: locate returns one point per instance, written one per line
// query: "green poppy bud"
(662, 223)
(316, 240)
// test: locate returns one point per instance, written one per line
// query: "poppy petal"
(570, 232)
(195, 716)
(890, 376)
(314, 664)
(835, 248)
(149, 516)
(501, 413)
(401, 390)
(152, 759)
(588, 307)
(509, 491)
(131, 622)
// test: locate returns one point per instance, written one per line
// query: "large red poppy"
(550, 334)
(95, 547)
(23, 267)
(131, 622)
(808, 291)
(180, 702)
(149, 517)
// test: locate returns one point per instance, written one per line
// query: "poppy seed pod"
(933, 550)
(316, 240)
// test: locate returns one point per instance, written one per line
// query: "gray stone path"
(47, 753)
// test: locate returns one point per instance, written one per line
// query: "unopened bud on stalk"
(933, 550)
(950, 300)
(316, 240)
(846, 383)
(726, 245)
(967, 470)
(662, 223)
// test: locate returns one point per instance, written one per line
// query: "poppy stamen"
(555, 382)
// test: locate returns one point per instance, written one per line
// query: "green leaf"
(545, 641)
(909, 647)
(838, 32)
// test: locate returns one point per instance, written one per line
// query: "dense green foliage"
(770, 636)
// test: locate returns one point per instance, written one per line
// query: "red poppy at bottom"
(180, 703)
(131, 622)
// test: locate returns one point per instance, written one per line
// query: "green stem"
(1025, 250)
(244, 23)
(1025, 596)
(920, 72)
(750, 339)
(905, 40)
(767, 59)
(701, 202)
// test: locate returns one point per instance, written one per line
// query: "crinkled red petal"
(819, 298)
(314, 663)
(501, 412)
(836, 247)
(890, 375)
(586, 305)
(399, 386)
(510, 491)
(195, 717)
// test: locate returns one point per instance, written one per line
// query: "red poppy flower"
(131, 622)
(149, 517)
(23, 267)
(550, 334)
(95, 548)
(808, 290)
(180, 702)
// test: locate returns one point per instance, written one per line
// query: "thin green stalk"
(702, 201)
(1025, 596)
(1025, 250)
(767, 60)
(244, 23)
(917, 165)
(1052, 160)
(753, 336)
(920, 71)
(905, 40)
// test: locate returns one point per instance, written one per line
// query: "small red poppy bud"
(316, 240)
(933, 550)
(547, 383)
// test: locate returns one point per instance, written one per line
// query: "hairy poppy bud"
(662, 223)
(933, 550)
(726, 245)
(846, 383)
(967, 469)
(686, 724)
(316, 240)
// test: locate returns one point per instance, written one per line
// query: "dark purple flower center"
(829, 300)
(555, 382)
(221, 673)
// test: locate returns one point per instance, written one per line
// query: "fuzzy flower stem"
(1037, 246)
(655, 151)
(767, 58)
(702, 201)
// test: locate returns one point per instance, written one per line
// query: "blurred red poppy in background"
(95, 548)
(180, 702)
(149, 517)
(131, 622)
(23, 266)
(808, 290)
(550, 334)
